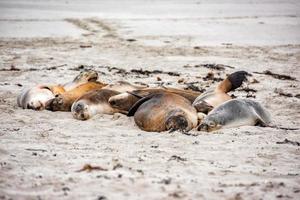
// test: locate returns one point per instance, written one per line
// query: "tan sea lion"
(125, 101)
(63, 102)
(164, 111)
(96, 101)
(214, 97)
(36, 97)
(234, 113)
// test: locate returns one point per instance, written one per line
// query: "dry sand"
(41, 152)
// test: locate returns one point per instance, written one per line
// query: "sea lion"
(35, 98)
(63, 102)
(125, 101)
(96, 101)
(164, 111)
(214, 97)
(234, 113)
(92, 103)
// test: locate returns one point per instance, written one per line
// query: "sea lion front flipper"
(259, 121)
(135, 106)
(203, 107)
(233, 81)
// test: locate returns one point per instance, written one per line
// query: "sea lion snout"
(203, 127)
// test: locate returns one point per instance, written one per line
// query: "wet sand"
(41, 152)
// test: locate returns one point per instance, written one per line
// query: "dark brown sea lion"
(125, 101)
(96, 101)
(64, 101)
(164, 111)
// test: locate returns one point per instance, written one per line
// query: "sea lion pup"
(63, 102)
(125, 101)
(96, 101)
(35, 98)
(164, 111)
(214, 97)
(234, 113)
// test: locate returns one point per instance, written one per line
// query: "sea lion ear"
(135, 106)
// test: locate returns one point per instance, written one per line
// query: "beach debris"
(277, 76)
(158, 78)
(192, 86)
(181, 80)
(166, 181)
(281, 93)
(131, 40)
(102, 198)
(147, 72)
(12, 68)
(287, 141)
(85, 46)
(177, 158)
(220, 67)
(41, 150)
(89, 168)
(247, 89)
(211, 76)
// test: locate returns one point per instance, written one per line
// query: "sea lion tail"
(233, 81)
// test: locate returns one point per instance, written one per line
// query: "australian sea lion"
(125, 101)
(63, 102)
(96, 101)
(164, 111)
(36, 97)
(214, 97)
(234, 113)
(92, 103)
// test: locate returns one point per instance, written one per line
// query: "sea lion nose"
(112, 102)
(202, 127)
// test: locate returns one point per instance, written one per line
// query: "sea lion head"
(57, 104)
(176, 120)
(209, 124)
(123, 101)
(86, 76)
(80, 110)
(35, 98)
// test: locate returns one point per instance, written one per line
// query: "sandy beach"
(42, 152)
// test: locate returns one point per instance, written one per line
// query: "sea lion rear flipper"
(135, 106)
(260, 122)
(233, 81)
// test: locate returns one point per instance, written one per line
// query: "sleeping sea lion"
(214, 97)
(125, 101)
(36, 97)
(96, 101)
(234, 113)
(63, 102)
(164, 111)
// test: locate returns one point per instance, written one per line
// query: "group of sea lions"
(154, 109)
